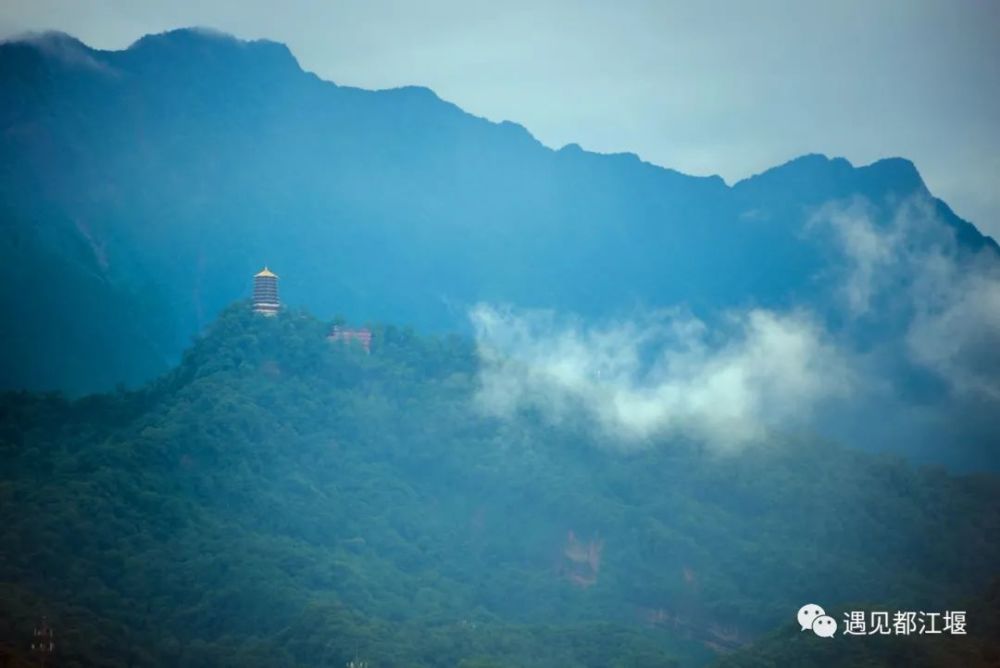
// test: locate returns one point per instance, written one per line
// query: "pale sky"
(728, 88)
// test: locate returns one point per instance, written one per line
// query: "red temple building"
(362, 335)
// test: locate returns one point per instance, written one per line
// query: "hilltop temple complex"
(266, 302)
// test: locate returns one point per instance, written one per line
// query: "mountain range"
(611, 414)
(142, 188)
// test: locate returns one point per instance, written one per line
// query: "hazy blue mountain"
(266, 497)
(141, 189)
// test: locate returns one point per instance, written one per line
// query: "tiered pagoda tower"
(265, 292)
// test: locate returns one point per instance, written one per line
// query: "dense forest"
(279, 499)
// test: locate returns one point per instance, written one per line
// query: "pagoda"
(265, 292)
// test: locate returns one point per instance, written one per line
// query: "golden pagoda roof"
(265, 272)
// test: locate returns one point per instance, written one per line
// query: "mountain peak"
(58, 46)
(46, 38)
(201, 44)
(808, 166)
(900, 172)
(186, 37)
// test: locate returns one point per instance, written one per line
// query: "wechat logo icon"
(812, 616)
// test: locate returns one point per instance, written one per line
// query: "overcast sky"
(728, 88)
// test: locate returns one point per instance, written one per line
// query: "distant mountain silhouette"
(141, 189)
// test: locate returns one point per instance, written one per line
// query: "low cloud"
(912, 362)
(949, 295)
(956, 326)
(62, 47)
(659, 374)
(870, 251)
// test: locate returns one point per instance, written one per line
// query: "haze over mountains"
(141, 188)
(612, 415)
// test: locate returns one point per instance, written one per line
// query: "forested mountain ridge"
(141, 187)
(281, 499)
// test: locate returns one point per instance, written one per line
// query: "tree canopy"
(278, 499)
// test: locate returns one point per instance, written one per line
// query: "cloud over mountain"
(662, 373)
(911, 338)
(138, 204)
(949, 295)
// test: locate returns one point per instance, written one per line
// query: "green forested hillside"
(282, 500)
